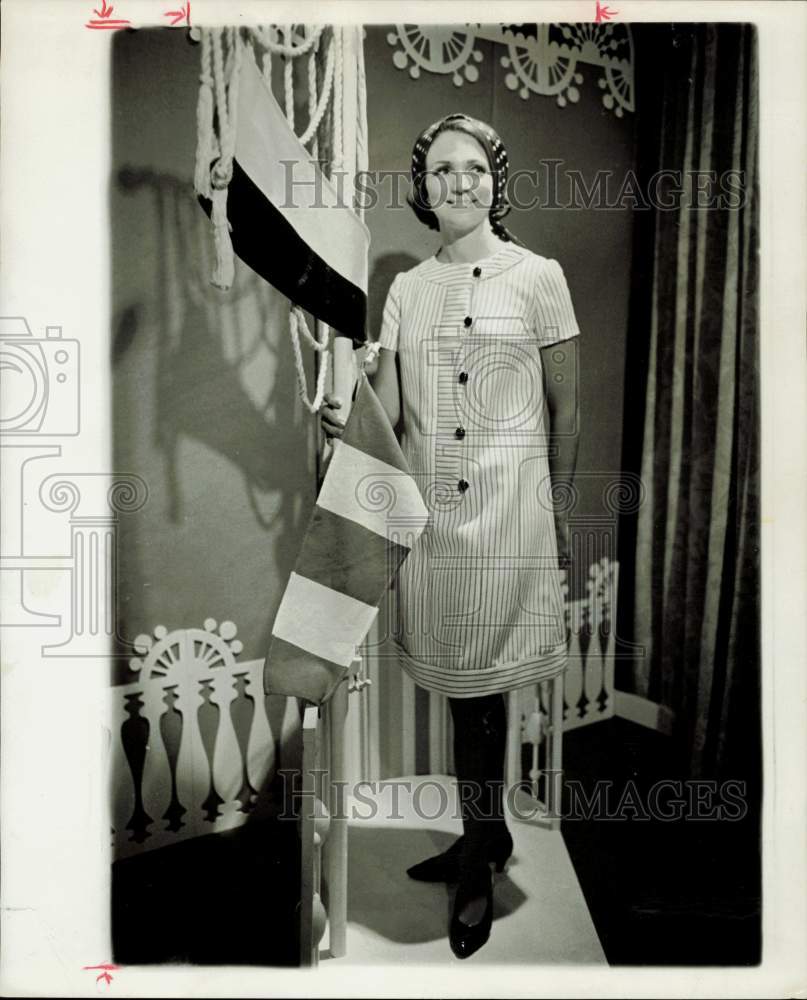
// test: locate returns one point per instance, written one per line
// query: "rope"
(288, 88)
(338, 136)
(302, 326)
(361, 163)
(222, 172)
(216, 119)
(219, 79)
(371, 353)
(229, 145)
(328, 84)
(206, 147)
(312, 98)
(296, 324)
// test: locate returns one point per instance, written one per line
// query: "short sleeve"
(391, 317)
(554, 313)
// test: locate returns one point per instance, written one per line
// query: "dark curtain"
(690, 555)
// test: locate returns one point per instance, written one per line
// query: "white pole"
(344, 376)
(344, 369)
(343, 372)
(336, 844)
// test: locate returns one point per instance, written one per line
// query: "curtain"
(694, 402)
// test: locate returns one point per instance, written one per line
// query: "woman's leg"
(480, 739)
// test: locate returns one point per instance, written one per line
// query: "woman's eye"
(444, 169)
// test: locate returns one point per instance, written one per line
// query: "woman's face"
(459, 182)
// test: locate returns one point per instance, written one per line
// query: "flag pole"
(353, 148)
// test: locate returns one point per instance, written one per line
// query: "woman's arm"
(383, 372)
(561, 383)
(385, 381)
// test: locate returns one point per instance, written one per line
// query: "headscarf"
(496, 154)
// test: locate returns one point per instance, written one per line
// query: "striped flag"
(351, 550)
(288, 221)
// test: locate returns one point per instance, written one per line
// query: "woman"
(471, 375)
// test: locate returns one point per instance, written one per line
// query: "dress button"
(477, 272)
(462, 485)
(467, 321)
(463, 377)
(459, 433)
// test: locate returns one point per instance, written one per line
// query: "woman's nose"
(463, 181)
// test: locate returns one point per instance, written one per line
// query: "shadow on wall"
(204, 388)
(199, 389)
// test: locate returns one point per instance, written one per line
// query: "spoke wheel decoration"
(542, 59)
(437, 49)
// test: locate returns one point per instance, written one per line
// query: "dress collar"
(444, 272)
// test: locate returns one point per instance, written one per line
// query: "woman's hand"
(329, 418)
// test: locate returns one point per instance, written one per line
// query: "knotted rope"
(222, 51)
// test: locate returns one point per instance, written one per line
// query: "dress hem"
(491, 680)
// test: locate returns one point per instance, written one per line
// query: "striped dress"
(479, 602)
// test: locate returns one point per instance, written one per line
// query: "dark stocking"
(480, 737)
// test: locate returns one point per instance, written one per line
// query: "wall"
(205, 404)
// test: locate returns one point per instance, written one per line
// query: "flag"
(368, 514)
(289, 222)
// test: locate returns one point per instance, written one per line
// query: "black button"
(477, 271)
(462, 485)
(467, 321)
(463, 377)
(459, 433)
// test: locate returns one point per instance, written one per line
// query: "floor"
(225, 899)
(540, 914)
(622, 892)
(681, 892)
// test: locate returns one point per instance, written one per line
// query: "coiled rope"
(222, 51)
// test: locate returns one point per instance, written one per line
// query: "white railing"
(193, 750)
(582, 695)
(323, 826)
(192, 745)
(315, 827)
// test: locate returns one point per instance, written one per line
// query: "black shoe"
(445, 867)
(476, 882)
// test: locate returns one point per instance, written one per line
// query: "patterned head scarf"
(489, 140)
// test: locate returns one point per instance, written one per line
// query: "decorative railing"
(583, 694)
(192, 746)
